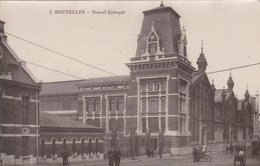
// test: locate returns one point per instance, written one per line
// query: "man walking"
(65, 156)
(111, 158)
(117, 154)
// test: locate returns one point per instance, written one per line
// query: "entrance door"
(154, 143)
(203, 136)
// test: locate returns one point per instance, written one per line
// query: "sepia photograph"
(130, 83)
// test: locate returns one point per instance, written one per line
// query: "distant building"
(246, 116)
(61, 99)
(81, 140)
(19, 106)
(201, 105)
(225, 111)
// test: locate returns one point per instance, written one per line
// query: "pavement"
(218, 159)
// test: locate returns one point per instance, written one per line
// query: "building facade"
(202, 104)
(19, 106)
(163, 97)
(81, 140)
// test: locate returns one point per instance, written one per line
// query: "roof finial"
(201, 46)
(161, 5)
(230, 72)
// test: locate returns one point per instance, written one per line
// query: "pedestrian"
(65, 156)
(110, 155)
(226, 149)
(160, 151)
(231, 148)
(194, 154)
(117, 155)
(151, 152)
(148, 152)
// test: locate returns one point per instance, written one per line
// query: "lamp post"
(133, 143)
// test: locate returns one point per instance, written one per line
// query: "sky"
(230, 31)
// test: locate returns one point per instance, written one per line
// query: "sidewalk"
(100, 162)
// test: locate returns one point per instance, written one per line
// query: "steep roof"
(60, 87)
(112, 79)
(218, 95)
(67, 87)
(13, 64)
(195, 76)
(49, 120)
(167, 26)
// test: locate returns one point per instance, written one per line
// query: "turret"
(230, 83)
(202, 62)
(247, 95)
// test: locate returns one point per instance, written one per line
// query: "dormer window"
(152, 48)
(152, 43)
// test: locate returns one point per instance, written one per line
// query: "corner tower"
(160, 76)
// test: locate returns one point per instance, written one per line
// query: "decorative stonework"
(152, 44)
(152, 66)
(103, 87)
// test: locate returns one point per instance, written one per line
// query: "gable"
(201, 80)
(16, 66)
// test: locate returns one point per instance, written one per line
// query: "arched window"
(74, 146)
(64, 143)
(97, 146)
(43, 150)
(90, 146)
(53, 149)
(82, 146)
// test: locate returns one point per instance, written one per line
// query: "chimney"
(2, 26)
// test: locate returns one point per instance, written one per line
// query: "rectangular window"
(153, 125)
(120, 124)
(97, 105)
(153, 48)
(120, 104)
(157, 86)
(96, 122)
(163, 87)
(143, 125)
(163, 103)
(163, 125)
(153, 104)
(112, 124)
(116, 103)
(143, 104)
(25, 110)
(182, 105)
(90, 105)
(143, 87)
(150, 86)
(93, 104)
(182, 125)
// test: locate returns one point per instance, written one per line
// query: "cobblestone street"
(218, 160)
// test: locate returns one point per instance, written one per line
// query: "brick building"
(225, 110)
(81, 140)
(154, 98)
(245, 117)
(19, 118)
(202, 104)
(164, 96)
